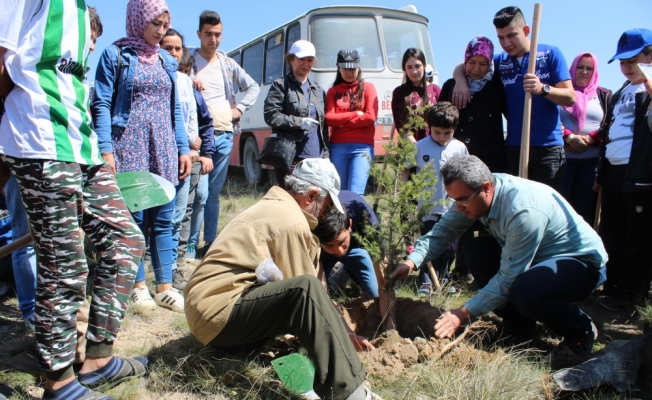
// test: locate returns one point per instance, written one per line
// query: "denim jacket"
(285, 105)
(104, 117)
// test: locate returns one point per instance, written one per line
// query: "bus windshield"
(400, 35)
(330, 34)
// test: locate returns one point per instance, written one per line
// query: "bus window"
(330, 34)
(274, 58)
(294, 34)
(252, 61)
(400, 35)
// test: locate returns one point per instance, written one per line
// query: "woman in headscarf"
(581, 123)
(140, 127)
(481, 121)
(481, 124)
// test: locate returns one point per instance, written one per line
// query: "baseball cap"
(303, 49)
(348, 59)
(320, 172)
(631, 43)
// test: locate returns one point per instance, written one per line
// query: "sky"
(572, 25)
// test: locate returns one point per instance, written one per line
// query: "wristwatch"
(545, 90)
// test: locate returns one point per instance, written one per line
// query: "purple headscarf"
(139, 14)
(479, 46)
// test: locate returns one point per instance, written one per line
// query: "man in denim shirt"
(542, 257)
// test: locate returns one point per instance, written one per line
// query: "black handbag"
(278, 152)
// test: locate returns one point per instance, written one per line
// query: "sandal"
(131, 368)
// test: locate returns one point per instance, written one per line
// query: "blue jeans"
(180, 204)
(577, 188)
(358, 265)
(351, 161)
(23, 260)
(216, 179)
(161, 242)
(545, 292)
(192, 220)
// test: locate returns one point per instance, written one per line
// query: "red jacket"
(346, 125)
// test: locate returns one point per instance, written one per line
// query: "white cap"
(303, 49)
(320, 172)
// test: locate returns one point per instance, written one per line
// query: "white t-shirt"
(621, 132)
(45, 113)
(210, 74)
(429, 151)
(594, 115)
(188, 105)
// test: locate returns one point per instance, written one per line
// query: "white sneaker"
(171, 299)
(140, 296)
(370, 395)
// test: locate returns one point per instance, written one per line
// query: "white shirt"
(46, 114)
(429, 151)
(188, 106)
(210, 74)
(621, 132)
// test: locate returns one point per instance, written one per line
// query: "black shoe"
(179, 282)
(201, 251)
(611, 303)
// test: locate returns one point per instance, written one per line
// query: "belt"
(220, 133)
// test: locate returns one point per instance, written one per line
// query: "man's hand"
(596, 187)
(206, 165)
(196, 145)
(109, 159)
(194, 156)
(461, 94)
(198, 84)
(402, 270)
(532, 84)
(185, 166)
(236, 114)
(360, 343)
(450, 321)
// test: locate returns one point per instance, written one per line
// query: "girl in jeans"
(351, 109)
(144, 131)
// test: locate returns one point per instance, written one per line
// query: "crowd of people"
(161, 108)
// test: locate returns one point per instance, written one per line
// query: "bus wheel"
(252, 169)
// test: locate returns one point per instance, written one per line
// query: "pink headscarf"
(583, 94)
(139, 14)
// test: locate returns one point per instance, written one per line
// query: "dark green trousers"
(301, 307)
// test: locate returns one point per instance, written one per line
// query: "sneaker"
(425, 290)
(29, 324)
(171, 299)
(370, 395)
(178, 280)
(311, 395)
(191, 253)
(140, 296)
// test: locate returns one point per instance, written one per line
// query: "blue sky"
(572, 25)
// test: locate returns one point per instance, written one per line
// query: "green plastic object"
(142, 190)
(297, 372)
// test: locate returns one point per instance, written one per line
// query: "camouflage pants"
(60, 198)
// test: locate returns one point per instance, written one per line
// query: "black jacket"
(481, 123)
(638, 176)
(285, 105)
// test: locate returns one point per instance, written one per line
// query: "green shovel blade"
(142, 190)
(297, 372)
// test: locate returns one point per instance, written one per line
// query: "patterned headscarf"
(583, 94)
(139, 14)
(479, 46)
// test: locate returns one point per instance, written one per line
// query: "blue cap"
(631, 43)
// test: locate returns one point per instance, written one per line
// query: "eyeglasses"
(511, 11)
(465, 203)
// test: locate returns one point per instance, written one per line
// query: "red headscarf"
(583, 94)
(139, 14)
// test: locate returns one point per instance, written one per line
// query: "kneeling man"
(540, 258)
(226, 307)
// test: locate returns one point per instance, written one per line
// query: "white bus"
(380, 35)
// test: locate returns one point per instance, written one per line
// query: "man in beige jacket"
(226, 307)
